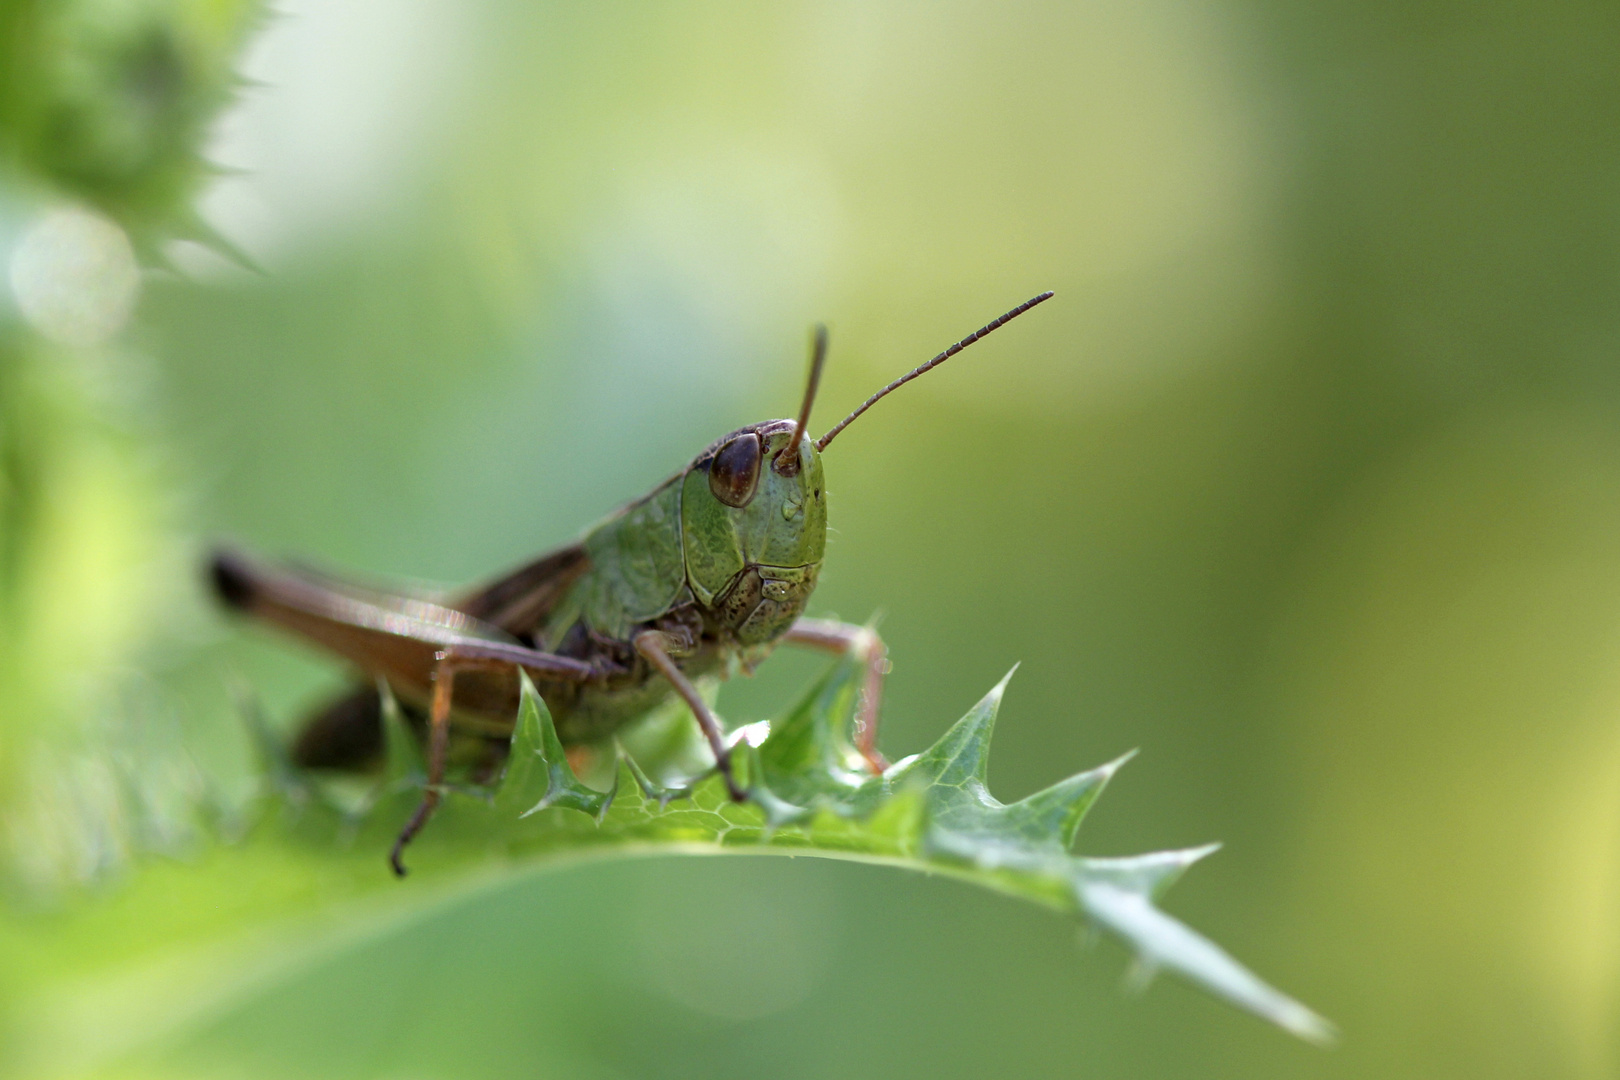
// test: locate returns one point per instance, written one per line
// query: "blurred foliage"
(109, 101)
(1306, 483)
(105, 105)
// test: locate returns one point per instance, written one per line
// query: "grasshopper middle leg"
(867, 648)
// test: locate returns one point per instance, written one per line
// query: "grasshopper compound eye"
(734, 473)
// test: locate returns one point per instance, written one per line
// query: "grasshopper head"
(754, 508)
(749, 501)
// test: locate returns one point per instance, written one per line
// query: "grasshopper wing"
(385, 634)
(381, 633)
(520, 602)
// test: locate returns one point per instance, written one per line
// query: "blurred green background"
(1307, 483)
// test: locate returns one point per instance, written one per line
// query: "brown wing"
(520, 602)
(382, 634)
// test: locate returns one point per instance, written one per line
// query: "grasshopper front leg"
(863, 643)
(654, 645)
(470, 656)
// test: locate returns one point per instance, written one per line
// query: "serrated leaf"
(960, 760)
(1162, 941)
(1150, 874)
(537, 766)
(931, 812)
(403, 765)
(807, 757)
(778, 812)
(649, 790)
(1057, 811)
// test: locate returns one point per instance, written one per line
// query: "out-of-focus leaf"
(110, 102)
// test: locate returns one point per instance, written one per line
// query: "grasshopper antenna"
(821, 443)
(787, 460)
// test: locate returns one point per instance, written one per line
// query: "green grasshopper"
(703, 576)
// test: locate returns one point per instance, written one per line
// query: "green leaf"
(931, 812)
(809, 794)
(537, 773)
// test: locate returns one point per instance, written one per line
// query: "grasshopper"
(703, 576)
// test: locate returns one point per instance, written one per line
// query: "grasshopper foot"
(723, 766)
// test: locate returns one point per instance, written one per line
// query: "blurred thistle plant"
(104, 109)
(109, 102)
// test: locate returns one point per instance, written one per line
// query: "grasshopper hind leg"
(470, 655)
(347, 734)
